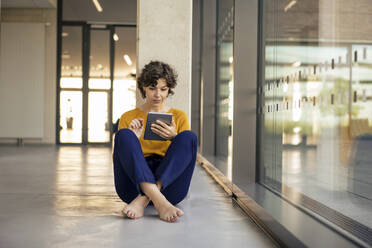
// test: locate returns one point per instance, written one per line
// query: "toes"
(179, 212)
(173, 218)
(124, 211)
(131, 215)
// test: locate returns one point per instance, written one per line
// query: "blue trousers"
(174, 170)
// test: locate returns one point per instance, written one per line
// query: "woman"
(149, 170)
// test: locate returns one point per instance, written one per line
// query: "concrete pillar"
(164, 29)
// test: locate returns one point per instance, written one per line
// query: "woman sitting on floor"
(150, 170)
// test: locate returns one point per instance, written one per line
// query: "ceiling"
(29, 3)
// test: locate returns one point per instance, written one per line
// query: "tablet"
(153, 117)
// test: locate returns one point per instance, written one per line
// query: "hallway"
(64, 197)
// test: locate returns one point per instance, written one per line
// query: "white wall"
(22, 80)
(165, 33)
(49, 18)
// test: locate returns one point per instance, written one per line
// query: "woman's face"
(156, 95)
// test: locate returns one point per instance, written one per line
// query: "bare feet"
(168, 212)
(136, 208)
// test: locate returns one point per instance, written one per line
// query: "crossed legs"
(137, 185)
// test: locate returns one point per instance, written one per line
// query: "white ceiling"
(28, 3)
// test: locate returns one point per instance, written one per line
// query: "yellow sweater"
(150, 147)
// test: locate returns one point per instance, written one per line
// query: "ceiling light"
(289, 5)
(116, 37)
(127, 59)
(64, 34)
(231, 60)
(98, 5)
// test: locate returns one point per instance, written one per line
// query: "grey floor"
(64, 197)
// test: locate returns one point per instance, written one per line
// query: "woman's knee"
(124, 135)
(187, 135)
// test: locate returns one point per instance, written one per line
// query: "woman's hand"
(165, 131)
(136, 125)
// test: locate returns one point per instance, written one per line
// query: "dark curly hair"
(152, 72)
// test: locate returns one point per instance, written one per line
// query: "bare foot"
(136, 208)
(168, 212)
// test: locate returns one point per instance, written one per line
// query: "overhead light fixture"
(116, 37)
(289, 5)
(231, 60)
(98, 5)
(127, 59)
(296, 64)
(64, 34)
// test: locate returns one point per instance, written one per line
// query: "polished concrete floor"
(64, 197)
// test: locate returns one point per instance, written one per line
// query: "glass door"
(85, 85)
(99, 86)
(92, 95)
(71, 86)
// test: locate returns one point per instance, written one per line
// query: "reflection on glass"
(70, 116)
(72, 82)
(124, 90)
(125, 97)
(99, 80)
(71, 57)
(99, 11)
(99, 83)
(224, 85)
(317, 109)
(98, 124)
(99, 55)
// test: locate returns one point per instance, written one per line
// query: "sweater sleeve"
(182, 122)
(124, 122)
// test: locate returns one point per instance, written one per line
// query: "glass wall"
(124, 92)
(316, 122)
(224, 85)
(113, 11)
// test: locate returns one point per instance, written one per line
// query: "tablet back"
(151, 118)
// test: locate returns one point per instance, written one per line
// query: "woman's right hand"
(136, 125)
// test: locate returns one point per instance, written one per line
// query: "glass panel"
(224, 86)
(99, 83)
(72, 82)
(113, 11)
(70, 116)
(99, 73)
(71, 68)
(317, 110)
(98, 123)
(124, 92)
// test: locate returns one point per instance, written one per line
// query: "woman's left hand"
(165, 131)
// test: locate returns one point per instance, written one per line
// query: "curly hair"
(152, 72)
